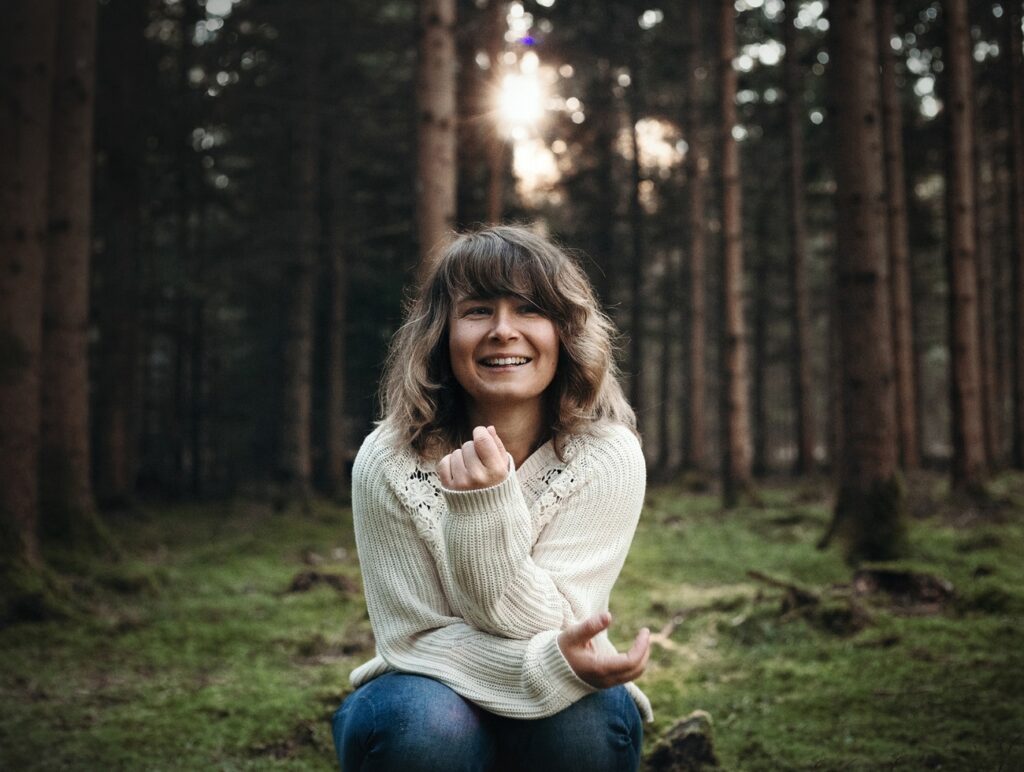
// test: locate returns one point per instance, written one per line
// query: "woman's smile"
(502, 349)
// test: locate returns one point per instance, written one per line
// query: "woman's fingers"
(487, 450)
(477, 464)
(641, 646)
(497, 441)
(478, 474)
(444, 471)
(580, 633)
(460, 477)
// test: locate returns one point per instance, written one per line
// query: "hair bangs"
(486, 267)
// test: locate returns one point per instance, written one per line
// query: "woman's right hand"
(597, 668)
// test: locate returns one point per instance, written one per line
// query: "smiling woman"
(494, 507)
(504, 353)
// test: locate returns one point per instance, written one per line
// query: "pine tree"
(869, 507)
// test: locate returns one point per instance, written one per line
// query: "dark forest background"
(806, 220)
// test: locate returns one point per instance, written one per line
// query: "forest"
(806, 220)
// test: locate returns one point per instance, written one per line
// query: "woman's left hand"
(480, 463)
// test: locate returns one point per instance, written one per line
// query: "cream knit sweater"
(471, 588)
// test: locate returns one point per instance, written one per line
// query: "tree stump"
(686, 747)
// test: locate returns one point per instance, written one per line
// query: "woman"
(494, 507)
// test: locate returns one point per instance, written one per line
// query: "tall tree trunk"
(336, 477)
(964, 343)
(638, 270)
(836, 440)
(66, 503)
(121, 62)
(800, 321)
(983, 230)
(436, 126)
(761, 341)
(695, 445)
(735, 401)
(669, 299)
(1015, 88)
(296, 432)
(497, 155)
(899, 245)
(186, 233)
(605, 131)
(1002, 280)
(197, 356)
(869, 507)
(27, 44)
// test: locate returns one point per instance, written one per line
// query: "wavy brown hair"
(421, 400)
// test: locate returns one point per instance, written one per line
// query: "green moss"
(196, 657)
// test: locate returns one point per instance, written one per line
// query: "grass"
(196, 656)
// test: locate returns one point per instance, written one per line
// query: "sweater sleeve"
(518, 588)
(416, 631)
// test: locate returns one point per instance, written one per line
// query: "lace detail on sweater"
(418, 487)
(555, 484)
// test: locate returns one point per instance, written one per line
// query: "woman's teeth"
(503, 361)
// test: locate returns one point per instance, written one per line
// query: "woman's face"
(503, 351)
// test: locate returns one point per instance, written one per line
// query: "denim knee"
(602, 732)
(406, 722)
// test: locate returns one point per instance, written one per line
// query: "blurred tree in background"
(266, 177)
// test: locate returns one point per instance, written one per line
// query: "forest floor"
(224, 639)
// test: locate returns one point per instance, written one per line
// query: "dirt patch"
(909, 591)
(303, 736)
(307, 580)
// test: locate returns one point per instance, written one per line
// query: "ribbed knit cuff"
(548, 674)
(498, 498)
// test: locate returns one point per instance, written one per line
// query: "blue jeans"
(412, 723)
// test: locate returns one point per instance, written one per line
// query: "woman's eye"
(529, 308)
(477, 311)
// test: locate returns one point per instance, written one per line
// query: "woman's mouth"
(496, 362)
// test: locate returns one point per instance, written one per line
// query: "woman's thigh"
(400, 721)
(600, 733)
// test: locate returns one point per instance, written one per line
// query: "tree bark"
(869, 507)
(800, 321)
(436, 127)
(1015, 87)
(497, 155)
(296, 463)
(899, 245)
(604, 117)
(669, 299)
(121, 63)
(761, 342)
(336, 477)
(186, 283)
(695, 444)
(27, 46)
(968, 466)
(638, 269)
(66, 501)
(984, 238)
(735, 401)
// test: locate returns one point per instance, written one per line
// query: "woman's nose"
(502, 327)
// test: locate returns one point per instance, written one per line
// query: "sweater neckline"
(538, 461)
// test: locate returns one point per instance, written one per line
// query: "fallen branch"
(798, 595)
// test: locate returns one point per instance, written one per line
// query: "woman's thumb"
(583, 631)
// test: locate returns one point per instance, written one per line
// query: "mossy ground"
(197, 657)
